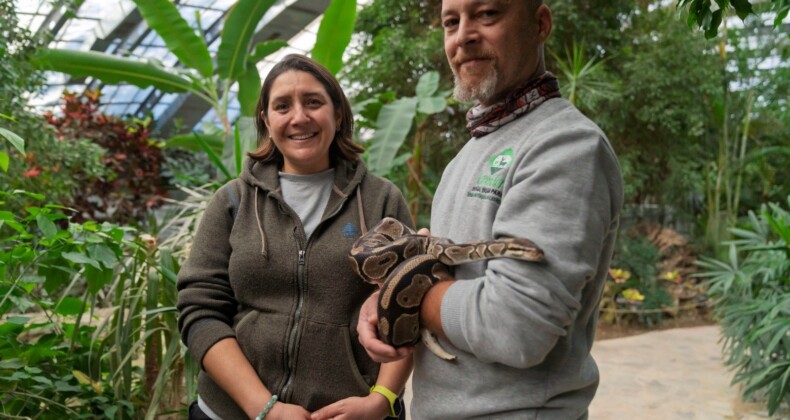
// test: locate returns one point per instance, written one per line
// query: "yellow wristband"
(389, 395)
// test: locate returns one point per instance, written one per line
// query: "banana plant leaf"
(111, 69)
(192, 142)
(237, 35)
(264, 49)
(14, 139)
(334, 34)
(431, 105)
(428, 84)
(249, 87)
(163, 17)
(392, 126)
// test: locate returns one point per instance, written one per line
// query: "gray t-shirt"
(307, 195)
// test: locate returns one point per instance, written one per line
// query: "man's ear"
(544, 19)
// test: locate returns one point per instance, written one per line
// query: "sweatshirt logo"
(350, 231)
(489, 184)
(501, 161)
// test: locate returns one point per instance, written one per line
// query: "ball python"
(405, 265)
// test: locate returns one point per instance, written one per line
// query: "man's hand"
(367, 327)
(374, 406)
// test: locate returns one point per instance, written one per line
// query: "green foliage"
(636, 259)
(18, 77)
(399, 41)
(58, 271)
(233, 60)
(54, 276)
(393, 124)
(45, 374)
(46, 165)
(603, 36)
(15, 141)
(658, 121)
(752, 291)
(583, 81)
(111, 69)
(237, 35)
(334, 34)
(163, 17)
(702, 15)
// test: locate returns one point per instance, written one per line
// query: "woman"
(268, 300)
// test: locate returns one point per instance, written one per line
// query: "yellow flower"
(673, 276)
(619, 275)
(633, 294)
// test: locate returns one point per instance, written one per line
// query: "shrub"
(54, 359)
(134, 184)
(633, 283)
(48, 166)
(752, 303)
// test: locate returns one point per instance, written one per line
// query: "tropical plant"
(583, 81)
(634, 281)
(743, 126)
(133, 184)
(17, 142)
(55, 277)
(235, 60)
(751, 288)
(701, 13)
(44, 164)
(393, 121)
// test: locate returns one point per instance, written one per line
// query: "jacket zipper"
(294, 335)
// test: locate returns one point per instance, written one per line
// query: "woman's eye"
(314, 102)
(280, 107)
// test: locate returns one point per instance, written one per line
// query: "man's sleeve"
(565, 195)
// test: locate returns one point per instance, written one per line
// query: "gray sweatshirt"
(523, 331)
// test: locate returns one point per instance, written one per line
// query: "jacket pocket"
(327, 369)
(261, 337)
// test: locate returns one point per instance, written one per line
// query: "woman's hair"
(342, 147)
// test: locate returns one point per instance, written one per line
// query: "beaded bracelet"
(266, 409)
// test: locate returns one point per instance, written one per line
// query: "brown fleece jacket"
(291, 303)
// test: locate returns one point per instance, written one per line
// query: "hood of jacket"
(264, 177)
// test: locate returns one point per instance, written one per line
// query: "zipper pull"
(301, 257)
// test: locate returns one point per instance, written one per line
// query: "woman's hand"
(374, 406)
(283, 411)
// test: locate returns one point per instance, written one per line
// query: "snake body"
(406, 265)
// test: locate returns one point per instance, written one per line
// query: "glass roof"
(115, 27)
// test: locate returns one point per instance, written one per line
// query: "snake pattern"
(406, 265)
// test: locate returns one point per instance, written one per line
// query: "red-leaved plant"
(135, 184)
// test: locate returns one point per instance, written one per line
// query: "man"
(536, 168)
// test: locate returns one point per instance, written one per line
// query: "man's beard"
(482, 92)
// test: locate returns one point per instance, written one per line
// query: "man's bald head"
(493, 46)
